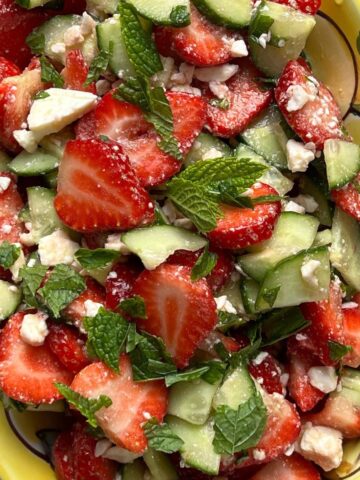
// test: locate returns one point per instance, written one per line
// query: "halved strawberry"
(348, 198)
(201, 43)
(10, 205)
(98, 189)
(125, 123)
(288, 468)
(267, 372)
(180, 311)
(74, 457)
(351, 323)
(120, 282)
(247, 98)
(319, 119)
(27, 373)
(16, 95)
(67, 345)
(8, 69)
(76, 71)
(306, 6)
(242, 227)
(132, 402)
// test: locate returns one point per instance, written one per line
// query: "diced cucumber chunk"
(350, 383)
(4, 162)
(197, 451)
(9, 299)
(56, 142)
(36, 3)
(155, 244)
(342, 162)
(237, 388)
(227, 12)
(159, 465)
(233, 293)
(134, 471)
(108, 32)
(31, 164)
(310, 187)
(207, 147)
(192, 401)
(164, 12)
(323, 238)
(293, 232)
(272, 176)
(345, 248)
(285, 286)
(97, 7)
(249, 291)
(289, 29)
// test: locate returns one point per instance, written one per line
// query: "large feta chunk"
(308, 270)
(298, 156)
(114, 242)
(299, 95)
(216, 74)
(26, 139)
(239, 49)
(224, 305)
(92, 308)
(308, 202)
(33, 330)
(57, 248)
(292, 206)
(4, 184)
(323, 378)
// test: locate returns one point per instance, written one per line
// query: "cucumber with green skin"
(226, 12)
(164, 12)
(31, 164)
(159, 465)
(313, 188)
(134, 471)
(238, 387)
(9, 299)
(206, 144)
(342, 161)
(249, 291)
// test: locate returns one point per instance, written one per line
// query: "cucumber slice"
(32, 164)
(9, 300)
(55, 143)
(159, 465)
(286, 284)
(342, 162)
(286, 25)
(233, 293)
(134, 471)
(322, 238)
(110, 31)
(164, 12)
(204, 146)
(310, 187)
(197, 451)
(237, 388)
(227, 12)
(272, 176)
(293, 233)
(345, 248)
(155, 244)
(191, 401)
(267, 138)
(4, 162)
(249, 291)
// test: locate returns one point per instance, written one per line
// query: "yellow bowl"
(333, 54)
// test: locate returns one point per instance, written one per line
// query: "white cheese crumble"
(349, 305)
(323, 378)
(224, 305)
(216, 74)
(4, 184)
(308, 270)
(187, 89)
(219, 89)
(292, 206)
(307, 202)
(57, 248)
(298, 156)
(299, 95)
(73, 36)
(260, 358)
(92, 308)
(17, 266)
(264, 39)
(113, 242)
(120, 455)
(239, 49)
(26, 139)
(33, 330)
(211, 154)
(259, 454)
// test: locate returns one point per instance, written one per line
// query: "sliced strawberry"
(85, 128)
(348, 198)
(326, 319)
(132, 402)
(10, 205)
(306, 6)
(74, 456)
(16, 95)
(125, 123)
(214, 338)
(319, 119)
(267, 373)
(120, 282)
(247, 98)
(98, 190)
(67, 345)
(180, 311)
(242, 227)
(352, 335)
(8, 69)
(201, 43)
(27, 373)
(76, 71)
(288, 468)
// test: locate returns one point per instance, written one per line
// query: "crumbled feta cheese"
(73, 36)
(183, 223)
(61, 108)
(349, 305)
(187, 89)
(6, 228)
(219, 89)
(31, 262)
(211, 154)
(184, 76)
(101, 447)
(298, 156)
(27, 238)
(33, 330)
(322, 445)
(299, 95)
(224, 305)
(259, 454)
(92, 308)
(323, 378)
(292, 206)
(216, 74)
(308, 270)
(120, 455)
(162, 78)
(17, 266)
(57, 248)
(239, 49)
(260, 358)
(307, 202)
(4, 184)
(264, 39)
(87, 25)
(26, 139)
(58, 48)
(113, 242)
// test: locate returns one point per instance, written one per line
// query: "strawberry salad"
(179, 240)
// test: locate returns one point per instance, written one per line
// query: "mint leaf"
(180, 16)
(132, 338)
(9, 253)
(61, 288)
(36, 42)
(139, 45)
(134, 306)
(161, 437)
(186, 376)
(41, 95)
(107, 334)
(261, 22)
(31, 281)
(50, 74)
(134, 90)
(281, 324)
(97, 258)
(204, 265)
(338, 350)
(98, 66)
(195, 202)
(215, 373)
(86, 406)
(238, 430)
(228, 320)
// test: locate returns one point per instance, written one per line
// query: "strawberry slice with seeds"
(288, 468)
(76, 72)
(120, 282)
(267, 372)
(27, 373)
(133, 403)
(246, 97)
(180, 311)
(320, 118)
(125, 123)
(10, 205)
(242, 227)
(98, 189)
(201, 43)
(348, 198)
(351, 322)
(306, 6)
(8, 69)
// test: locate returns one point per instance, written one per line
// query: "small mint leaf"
(204, 265)
(9, 253)
(161, 438)
(50, 74)
(134, 306)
